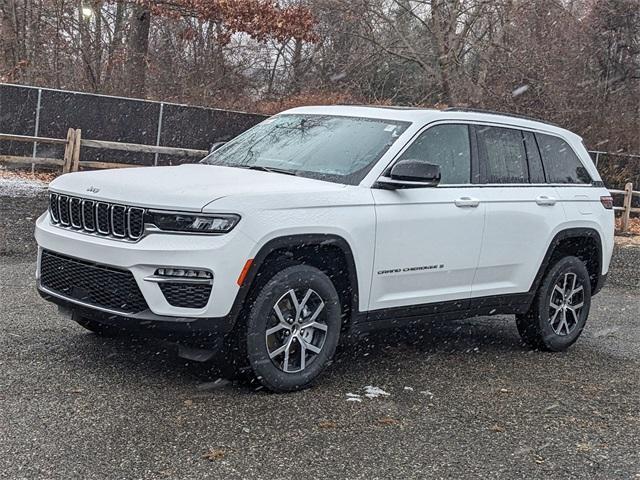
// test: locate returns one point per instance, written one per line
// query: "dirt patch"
(631, 241)
(42, 177)
(633, 228)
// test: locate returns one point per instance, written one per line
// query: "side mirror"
(215, 147)
(411, 174)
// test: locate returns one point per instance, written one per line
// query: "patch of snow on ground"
(13, 187)
(374, 392)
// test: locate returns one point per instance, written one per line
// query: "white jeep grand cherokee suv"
(324, 221)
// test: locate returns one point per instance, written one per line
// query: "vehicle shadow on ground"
(159, 359)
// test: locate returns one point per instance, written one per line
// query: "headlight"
(192, 223)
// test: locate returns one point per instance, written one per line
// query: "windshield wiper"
(260, 168)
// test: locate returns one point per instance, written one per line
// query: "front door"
(428, 239)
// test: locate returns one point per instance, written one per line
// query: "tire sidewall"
(551, 340)
(299, 276)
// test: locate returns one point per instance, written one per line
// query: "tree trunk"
(297, 65)
(8, 38)
(116, 42)
(86, 48)
(138, 50)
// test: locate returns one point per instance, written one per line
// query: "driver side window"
(447, 146)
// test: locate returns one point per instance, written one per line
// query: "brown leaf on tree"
(261, 19)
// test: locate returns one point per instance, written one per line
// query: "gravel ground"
(18, 214)
(465, 399)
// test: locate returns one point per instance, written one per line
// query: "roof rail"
(492, 112)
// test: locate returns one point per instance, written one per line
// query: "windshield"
(333, 148)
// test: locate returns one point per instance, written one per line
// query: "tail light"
(607, 202)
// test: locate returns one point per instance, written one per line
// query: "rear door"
(428, 239)
(522, 210)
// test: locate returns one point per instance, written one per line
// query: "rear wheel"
(560, 308)
(292, 328)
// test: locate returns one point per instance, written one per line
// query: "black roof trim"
(492, 112)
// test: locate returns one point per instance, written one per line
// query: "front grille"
(96, 285)
(118, 221)
(185, 295)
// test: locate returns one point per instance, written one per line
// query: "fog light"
(183, 273)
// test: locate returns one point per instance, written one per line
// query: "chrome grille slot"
(54, 209)
(118, 221)
(99, 218)
(103, 223)
(75, 211)
(135, 222)
(89, 215)
(63, 207)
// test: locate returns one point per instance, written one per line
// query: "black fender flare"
(574, 232)
(294, 241)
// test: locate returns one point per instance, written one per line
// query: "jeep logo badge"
(93, 189)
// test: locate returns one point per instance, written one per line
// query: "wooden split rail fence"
(627, 209)
(70, 162)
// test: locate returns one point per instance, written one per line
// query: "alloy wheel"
(566, 303)
(296, 331)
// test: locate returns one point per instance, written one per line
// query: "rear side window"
(503, 156)
(561, 164)
(447, 146)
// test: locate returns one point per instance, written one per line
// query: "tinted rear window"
(504, 159)
(561, 164)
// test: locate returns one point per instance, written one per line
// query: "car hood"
(185, 187)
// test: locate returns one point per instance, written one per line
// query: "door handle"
(465, 202)
(545, 200)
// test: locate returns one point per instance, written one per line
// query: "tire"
(560, 308)
(98, 328)
(282, 354)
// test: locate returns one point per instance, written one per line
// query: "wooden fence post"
(75, 158)
(68, 150)
(626, 213)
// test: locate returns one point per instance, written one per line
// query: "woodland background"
(572, 62)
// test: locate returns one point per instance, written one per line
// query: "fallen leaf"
(387, 421)
(583, 447)
(497, 428)
(214, 454)
(188, 403)
(504, 390)
(327, 424)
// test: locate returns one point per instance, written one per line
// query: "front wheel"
(293, 328)
(560, 308)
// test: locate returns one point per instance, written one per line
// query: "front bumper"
(224, 255)
(153, 325)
